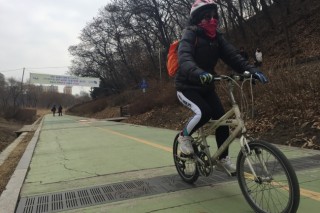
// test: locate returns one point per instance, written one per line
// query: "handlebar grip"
(237, 77)
(246, 74)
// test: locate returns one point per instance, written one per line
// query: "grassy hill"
(286, 110)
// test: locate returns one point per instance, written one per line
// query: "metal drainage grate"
(80, 198)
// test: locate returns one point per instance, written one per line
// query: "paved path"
(87, 165)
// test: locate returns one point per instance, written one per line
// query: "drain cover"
(110, 193)
(80, 198)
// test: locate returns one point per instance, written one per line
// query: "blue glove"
(205, 78)
(257, 74)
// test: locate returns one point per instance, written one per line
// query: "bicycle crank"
(204, 164)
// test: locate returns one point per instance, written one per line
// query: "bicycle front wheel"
(186, 166)
(275, 188)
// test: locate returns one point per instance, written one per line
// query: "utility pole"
(160, 62)
(21, 91)
(22, 78)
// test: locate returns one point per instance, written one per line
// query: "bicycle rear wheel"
(186, 166)
(276, 188)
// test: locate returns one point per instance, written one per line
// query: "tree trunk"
(265, 10)
(283, 5)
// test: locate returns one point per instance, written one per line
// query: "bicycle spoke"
(185, 166)
(271, 190)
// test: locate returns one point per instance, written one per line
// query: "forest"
(16, 96)
(129, 39)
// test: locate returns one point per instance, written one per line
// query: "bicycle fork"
(247, 151)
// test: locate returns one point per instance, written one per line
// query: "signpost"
(143, 85)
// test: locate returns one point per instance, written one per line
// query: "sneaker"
(225, 165)
(185, 144)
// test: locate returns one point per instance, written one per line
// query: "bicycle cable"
(243, 99)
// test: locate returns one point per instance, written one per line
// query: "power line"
(11, 70)
(46, 67)
(33, 68)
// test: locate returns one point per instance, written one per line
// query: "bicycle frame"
(258, 162)
(225, 120)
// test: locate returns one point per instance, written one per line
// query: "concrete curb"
(5, 154)
(9, 197)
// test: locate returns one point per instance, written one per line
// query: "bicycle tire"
(277, 191)
(187, 169)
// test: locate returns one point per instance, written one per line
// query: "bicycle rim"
(186, 167)
(277, 187)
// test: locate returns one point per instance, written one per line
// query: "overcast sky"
(36, 34)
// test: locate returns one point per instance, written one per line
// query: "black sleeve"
(187, 64)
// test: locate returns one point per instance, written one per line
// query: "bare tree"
(32, 95)
(14, 91)
(283, 6)
(122, 44)
(265, 10)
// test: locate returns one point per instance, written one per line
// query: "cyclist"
(199, 49)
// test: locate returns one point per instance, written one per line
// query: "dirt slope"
(7, 132)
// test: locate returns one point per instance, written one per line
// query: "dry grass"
(287, 108)
(161, 96)
(10, 164)
(293, 93)
(42, 112)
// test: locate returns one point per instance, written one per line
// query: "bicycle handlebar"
(237, 77)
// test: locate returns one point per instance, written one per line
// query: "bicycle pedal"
(226, 171)
(233, 174)
(185, 155)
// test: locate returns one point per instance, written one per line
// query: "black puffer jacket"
(197, 54)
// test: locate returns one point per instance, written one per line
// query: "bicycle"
(265, 176)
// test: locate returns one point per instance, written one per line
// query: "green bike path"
(88, 165)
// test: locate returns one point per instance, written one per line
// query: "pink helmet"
(198, 5)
